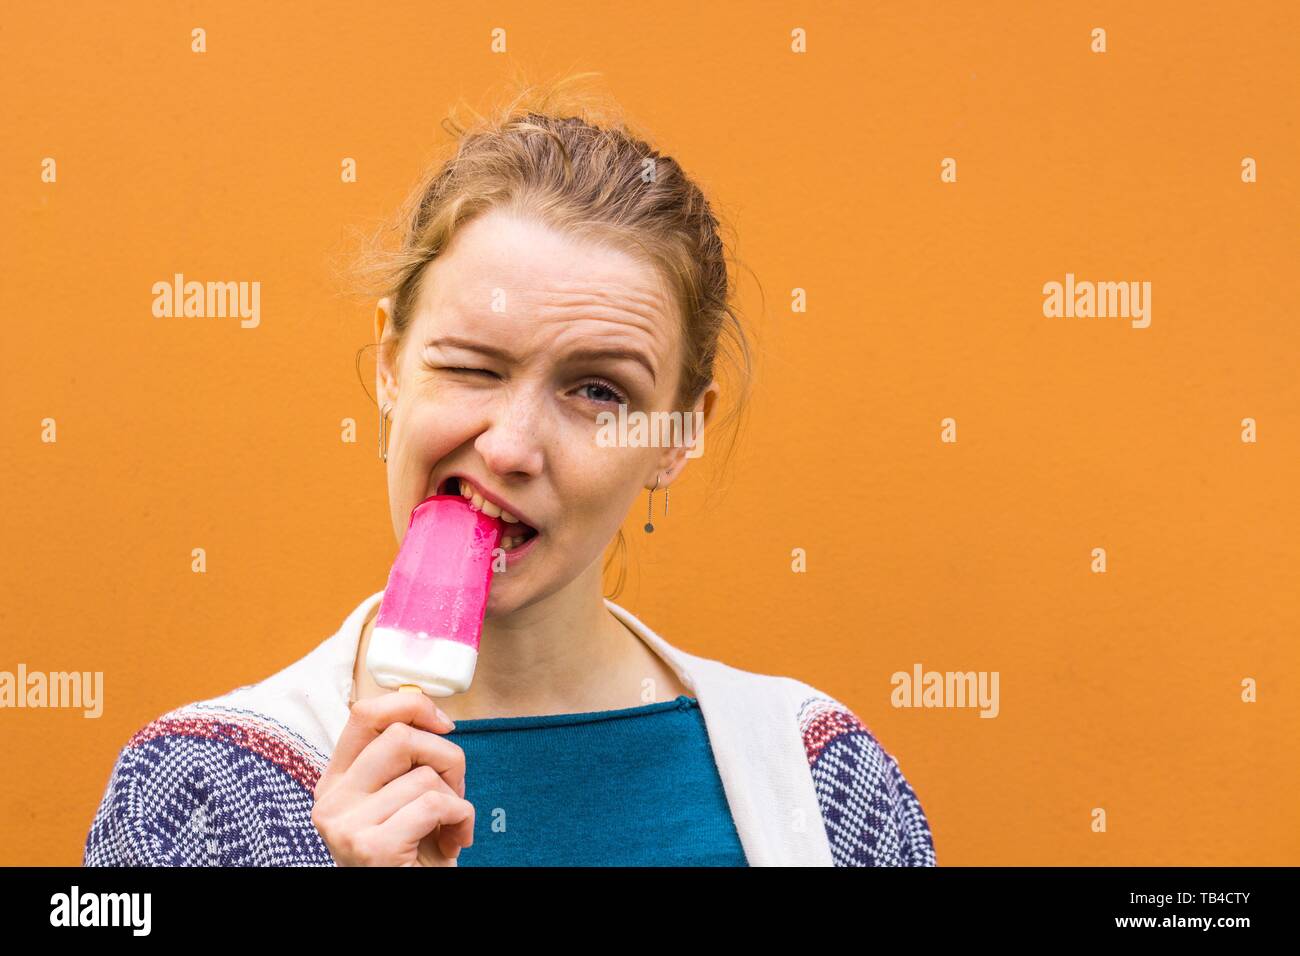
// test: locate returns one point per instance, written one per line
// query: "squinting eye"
(456, 368)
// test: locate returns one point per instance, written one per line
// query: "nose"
(511, 443)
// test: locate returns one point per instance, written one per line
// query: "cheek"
(433, 429)
(430, 431)
(604, 481)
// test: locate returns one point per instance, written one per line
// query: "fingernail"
(444, 716)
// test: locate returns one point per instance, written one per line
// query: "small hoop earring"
(383, 431)
(650, 506)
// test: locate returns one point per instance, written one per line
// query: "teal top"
(630, 787)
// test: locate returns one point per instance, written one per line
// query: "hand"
(393, 793)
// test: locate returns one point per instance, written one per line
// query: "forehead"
(522, 282)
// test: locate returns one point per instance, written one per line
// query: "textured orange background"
(1118, 690)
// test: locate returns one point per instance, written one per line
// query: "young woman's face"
(520, 338)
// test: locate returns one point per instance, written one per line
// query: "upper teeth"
(489, 508)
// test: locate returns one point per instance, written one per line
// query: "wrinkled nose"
(512, 441)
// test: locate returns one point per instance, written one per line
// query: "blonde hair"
(572, 162)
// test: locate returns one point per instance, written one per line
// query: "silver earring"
(650, 507)
(383, 431)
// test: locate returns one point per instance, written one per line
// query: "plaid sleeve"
(202, 787)
(142, 817)
(871, 813)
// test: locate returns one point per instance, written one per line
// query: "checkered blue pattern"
(210, 786)
(872, 815)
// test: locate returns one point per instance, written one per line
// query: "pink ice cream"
(426, 634)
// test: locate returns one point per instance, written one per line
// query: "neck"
(564, 654)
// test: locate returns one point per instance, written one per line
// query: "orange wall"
(1118, 690)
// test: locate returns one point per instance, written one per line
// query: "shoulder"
(873, 817)
(209, 784)
(231, 780)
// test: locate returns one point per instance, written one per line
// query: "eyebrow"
(578, 355)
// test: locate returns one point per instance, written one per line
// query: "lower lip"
(520, 552)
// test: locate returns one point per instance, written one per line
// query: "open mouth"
(516, 533)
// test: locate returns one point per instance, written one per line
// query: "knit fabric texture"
(211, 785)
(872, 815)
(659, 802)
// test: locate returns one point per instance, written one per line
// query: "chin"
(498, 610)
(509, 595)
(504, 598)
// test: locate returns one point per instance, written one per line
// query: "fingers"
(394, 789)
(374, 812)
(378, 807)
(371, 716)
(398, 749)
(434, 808)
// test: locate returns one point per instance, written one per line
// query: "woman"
(555, 269)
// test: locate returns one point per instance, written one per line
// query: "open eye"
(606, 393)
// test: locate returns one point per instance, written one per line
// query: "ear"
(385, 373)
(673, 459)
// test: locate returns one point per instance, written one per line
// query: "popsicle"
(426, 635)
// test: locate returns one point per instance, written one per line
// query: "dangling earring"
(650, 506)
(383, 431)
